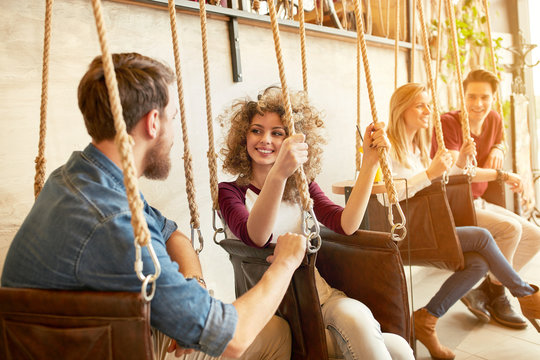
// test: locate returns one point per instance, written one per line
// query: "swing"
(69, 324)
(383, 291)
(432, 239)
(95, 324)
(434, 212)
(495, 192)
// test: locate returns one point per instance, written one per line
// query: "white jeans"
(518, 239)
(272, 343)
(353, 333)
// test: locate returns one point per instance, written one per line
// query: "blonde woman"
(410, 116)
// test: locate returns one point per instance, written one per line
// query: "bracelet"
(500, 147)
(199, 279)
(502, 175)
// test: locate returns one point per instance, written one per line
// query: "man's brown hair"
(481, 75)
(143, 85)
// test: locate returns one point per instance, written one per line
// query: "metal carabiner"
(399, 225)
(150, 278)
(220, 230)
(445, 178)
(200, 238)
(148, 297)
(311, 235)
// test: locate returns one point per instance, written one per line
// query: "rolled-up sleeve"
(167, 226)
(219, 328)
(186, 312)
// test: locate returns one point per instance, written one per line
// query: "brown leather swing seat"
(58, 324)
(366, 266)
(432, 215)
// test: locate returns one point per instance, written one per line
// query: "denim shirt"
(78, 236)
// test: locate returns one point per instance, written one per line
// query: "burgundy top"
(490, 135)
(232, 203)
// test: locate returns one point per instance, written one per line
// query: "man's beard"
(157, 162)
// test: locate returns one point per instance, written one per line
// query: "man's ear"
(152, 123)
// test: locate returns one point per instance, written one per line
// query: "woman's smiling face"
(264, 138)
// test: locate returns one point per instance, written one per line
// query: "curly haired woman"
(263, 203)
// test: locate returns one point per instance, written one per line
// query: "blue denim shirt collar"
(99, 159)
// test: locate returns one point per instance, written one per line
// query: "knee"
(513, 227)
(475, 261)
(484, 235)
(398, 347)
(278, 329)
(347, 310)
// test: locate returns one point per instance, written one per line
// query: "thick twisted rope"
(494, 63)
(439, 36)
(396, 45)
(345, 19)
(302, 29)
(427, 61)
(211, 154)
(465, 128)
(383, 153)
(358, 80)
(413, 43)
(188, 170)
(321, 11)
(299, 175)
(122, 139)
(39, 178)
(387, 18)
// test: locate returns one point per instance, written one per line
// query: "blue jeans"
(481, 254)
(352, 332)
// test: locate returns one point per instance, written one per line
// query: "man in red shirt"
(518, 239)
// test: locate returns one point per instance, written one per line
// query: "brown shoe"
(530, 307)
(424, 329)
(501, 310)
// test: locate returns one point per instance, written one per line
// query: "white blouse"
(415, 175)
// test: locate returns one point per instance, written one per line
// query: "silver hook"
(150, 278)
(445, 178)
(399, 225)
(220, 230)
(312, 247)
(200, 238)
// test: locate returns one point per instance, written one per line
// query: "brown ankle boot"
(530, 307)
(424, 329)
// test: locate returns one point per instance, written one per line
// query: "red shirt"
(490, 135)
(232, 200)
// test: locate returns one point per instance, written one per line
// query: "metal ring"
(216, 232)
(399, 225)
(148, 297)
(310, 235)
(445, 178)
(395, 236)
(311, 249)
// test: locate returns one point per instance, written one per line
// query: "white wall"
(332, 74)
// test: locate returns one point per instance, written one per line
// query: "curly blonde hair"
(237, 119)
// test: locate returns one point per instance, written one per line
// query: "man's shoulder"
(493, 117)
(451, 118)
(90, 185)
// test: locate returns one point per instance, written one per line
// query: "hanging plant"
(472, 38)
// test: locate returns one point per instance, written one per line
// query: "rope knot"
(40, 161)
